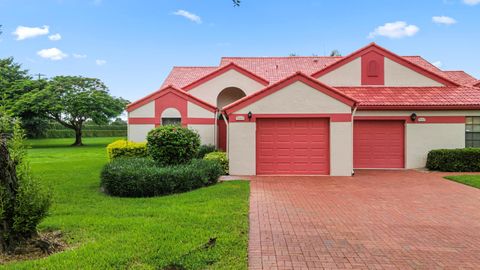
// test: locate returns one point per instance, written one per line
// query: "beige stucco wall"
(349, 74)
(206, 133)
(421, 138)
(138, 133)
(209, 90)
(399, 75)
(195, 111)
(297, 98)
(241, 145)
(170, 113)
(147, 110)
(341, 149)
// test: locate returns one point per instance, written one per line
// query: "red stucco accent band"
(340, 117)
(428, 119)
(155, 121)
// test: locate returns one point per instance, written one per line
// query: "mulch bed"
(42, 245)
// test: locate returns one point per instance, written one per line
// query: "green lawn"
(124, 233)
(470, 180)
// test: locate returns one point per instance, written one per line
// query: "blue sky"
(132, 45)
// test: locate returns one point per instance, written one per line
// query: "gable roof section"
(477, 84)
(400, 60)
(275, 69)
(461, 97)
(181, 76)
(170, 89)
(297, 77)
(222, 70)
(461, 77)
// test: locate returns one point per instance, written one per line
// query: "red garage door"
(378, 144)
(293, 146)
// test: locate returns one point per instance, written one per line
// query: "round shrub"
(142, 177)
(205, 149)
(220, 157)
(172, 145)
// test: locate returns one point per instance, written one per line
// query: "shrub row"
(68, 133)
(123, 148)
(142, 177)
(454, 160)
(57, 126)
(205, 149)
(220, 157)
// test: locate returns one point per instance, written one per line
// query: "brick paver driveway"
(375, 220)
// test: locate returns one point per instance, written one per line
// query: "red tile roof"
(461, 77)
(181, 76)
(414, 96)
(275, 69)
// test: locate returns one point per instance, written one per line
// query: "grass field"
(470, 180)
(120, 233)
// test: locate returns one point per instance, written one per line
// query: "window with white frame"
(472, 131)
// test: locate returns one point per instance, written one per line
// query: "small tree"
(73, 100)
(23, 203)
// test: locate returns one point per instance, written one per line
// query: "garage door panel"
(378, 144)
(293, 146)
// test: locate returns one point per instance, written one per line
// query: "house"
(317, 115)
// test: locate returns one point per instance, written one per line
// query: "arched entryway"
(226, 96)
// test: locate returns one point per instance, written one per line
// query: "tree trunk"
(78, 137)
(8, 190)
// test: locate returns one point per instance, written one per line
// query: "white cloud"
(397, 29)
(100, 62)
(79, 56)
(190, 16)
(52, 54)
(438, 64)
(444, 20)
(55, 37)
(471, 2)
(24, 32)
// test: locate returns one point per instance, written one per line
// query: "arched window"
(372, 68)
(171, 116)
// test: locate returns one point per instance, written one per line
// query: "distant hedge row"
(58, 131)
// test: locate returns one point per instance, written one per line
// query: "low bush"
(123, 148)
(205, 149)
(220, 157)
(142, 177)
(454, 160)
(172, 145)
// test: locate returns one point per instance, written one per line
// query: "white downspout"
(215, 130)
(353, 116)
(228, 133)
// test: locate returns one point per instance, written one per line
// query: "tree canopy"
(73, 100)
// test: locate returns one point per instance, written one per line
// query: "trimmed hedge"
(123, 148)
(172, 145)
(454, 160)
(55, 130)
(220, 157)
(141, 177)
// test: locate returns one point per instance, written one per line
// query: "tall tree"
(14, 83)
(73, 100)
